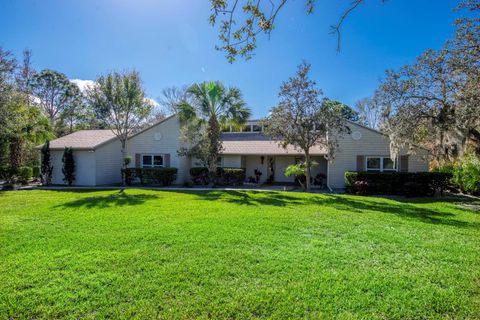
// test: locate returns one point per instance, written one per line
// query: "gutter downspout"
(328, 174)
(328, 169)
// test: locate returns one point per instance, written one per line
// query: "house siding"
(109, 163)
(232, 161)
(145, 143)
(84, 167)
(370, 144)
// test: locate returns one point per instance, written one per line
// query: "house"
(98, 156)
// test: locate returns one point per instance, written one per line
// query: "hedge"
(224, 176)
(396, 183)
(25, 174)
(154, 176)
(465, 174)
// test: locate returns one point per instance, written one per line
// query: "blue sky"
(171, 43)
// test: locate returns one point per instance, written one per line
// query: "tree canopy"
(210, 107)
(304, 118)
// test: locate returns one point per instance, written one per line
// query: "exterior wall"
(281, 163)
(255, 162)
(321, 167)
(370, 144)
(417, 162)
(232, 161)
(145, 143)
(109, 163)
(84, 167)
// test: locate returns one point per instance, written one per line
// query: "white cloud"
(86, 84)
(83, 84)
(151, 101)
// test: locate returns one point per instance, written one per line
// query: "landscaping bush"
(4, 172)
(36, 172)
(231, 176)
(396, 183)
(224, 177)
(465, 174)
(200, 176)
(154, 176)
(24, 174)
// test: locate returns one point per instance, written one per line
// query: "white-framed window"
(380, 164)
(220, 162)
(152, 161)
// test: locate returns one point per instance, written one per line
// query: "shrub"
(200, 176)
(396, 183)
(465, 174)
(4, 172)
(36, 172)
(224, 176)
(68, 168)
(46, 168)
(231, 176)
(24, 174)
(154, 176)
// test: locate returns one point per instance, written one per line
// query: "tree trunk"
(308, 165)
(213, 132)
(124, 155)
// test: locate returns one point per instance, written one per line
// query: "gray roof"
(258, 144)
(83, 140)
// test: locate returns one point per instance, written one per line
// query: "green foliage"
(223, 176)
(264, 255)
(151, 176)
(295, 170)
(68, 168)
(56, 92)
(465, 174)
(396, 183)
(25, 174)
(46, 168)
(127, 160)
(36, 172)
(210, 107)
(344, 110)
(231, 176)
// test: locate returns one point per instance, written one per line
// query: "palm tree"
(212, 105)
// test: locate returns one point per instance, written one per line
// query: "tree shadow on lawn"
(402, 207)
(120, 198)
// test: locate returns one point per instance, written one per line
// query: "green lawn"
(216, 254)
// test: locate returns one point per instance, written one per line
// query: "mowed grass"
(237, 254)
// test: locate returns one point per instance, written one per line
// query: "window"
(381, 164)
(256, 128)
(152, 161)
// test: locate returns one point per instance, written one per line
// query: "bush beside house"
(225, 176)
(396, 183)
(465, 174)
(151, 176)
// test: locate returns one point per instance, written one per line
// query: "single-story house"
(98, 156)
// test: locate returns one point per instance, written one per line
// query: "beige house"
(98, 156)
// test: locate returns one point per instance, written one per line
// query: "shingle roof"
(258, 144)
(83, 139)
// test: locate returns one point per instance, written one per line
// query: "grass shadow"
(401, 207)
(117, 199)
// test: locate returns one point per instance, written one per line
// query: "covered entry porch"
(270, 169)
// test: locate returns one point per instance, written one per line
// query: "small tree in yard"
(119, 100)
(68, 169)
(211, 106)
(304, 119)
(46, 168)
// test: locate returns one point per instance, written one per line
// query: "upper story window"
(152, 161)
(249, 127)
(381, 164)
